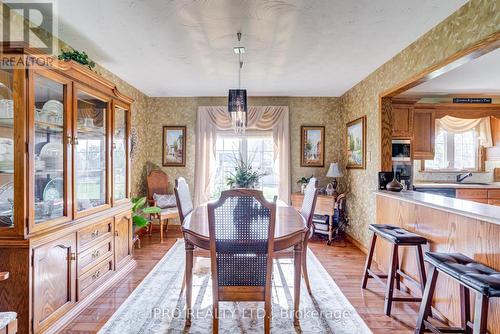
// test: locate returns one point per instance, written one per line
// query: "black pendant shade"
(237, 100)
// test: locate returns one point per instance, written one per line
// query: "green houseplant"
(79, 57)
(139, 212)
(244, 176)
(303, 181)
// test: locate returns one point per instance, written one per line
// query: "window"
(256, 148)
(455, 151)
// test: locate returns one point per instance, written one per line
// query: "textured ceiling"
(293, 48)
(480, 76)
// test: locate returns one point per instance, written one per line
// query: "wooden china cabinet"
(65, 220)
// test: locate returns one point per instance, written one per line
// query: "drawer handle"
(95, 234)
(96, 254)
(96, 275)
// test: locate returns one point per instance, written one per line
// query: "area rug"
(157, 304)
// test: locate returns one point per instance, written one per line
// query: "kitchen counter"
(483, 212)
(464, 185)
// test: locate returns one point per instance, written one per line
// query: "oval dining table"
(290, 230)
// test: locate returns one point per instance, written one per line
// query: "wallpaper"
(473, 22)
(182, 111)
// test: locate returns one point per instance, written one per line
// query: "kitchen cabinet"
(402, 120)
(423, 134)
(481, 195)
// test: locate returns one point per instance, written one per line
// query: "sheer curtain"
(213, 119)
(459, 125)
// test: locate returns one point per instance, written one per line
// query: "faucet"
(461, 177)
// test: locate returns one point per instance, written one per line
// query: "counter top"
(484, 212)
(465, 185)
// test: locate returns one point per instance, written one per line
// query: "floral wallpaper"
(473, 22)
(182, 111)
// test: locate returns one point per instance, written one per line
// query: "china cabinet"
(65, 220)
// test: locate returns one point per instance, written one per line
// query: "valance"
(212, 119)
(460, 125)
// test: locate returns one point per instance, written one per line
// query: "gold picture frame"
(356, 143)
(174, 146)
(312, 146)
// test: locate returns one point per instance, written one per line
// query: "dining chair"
(306, 211)
(241, 229)
(183, 198)
(157, 183)
(185, 206)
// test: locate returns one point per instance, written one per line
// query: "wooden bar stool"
(470, 274)
(397, 237)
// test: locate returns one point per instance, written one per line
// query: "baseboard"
(356, 243)
(81, 305)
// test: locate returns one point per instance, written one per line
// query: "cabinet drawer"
(472, 193)
(494, 194)
(478, 200)
(91, 279)
(95, 233)
(94, 255)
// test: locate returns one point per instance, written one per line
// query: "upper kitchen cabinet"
(424, 134)
(402, 118)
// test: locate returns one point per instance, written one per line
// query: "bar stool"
(397, 237)
(471, 274)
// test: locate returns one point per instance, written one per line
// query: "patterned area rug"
(156, 305)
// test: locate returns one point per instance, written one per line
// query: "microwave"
(401, 150)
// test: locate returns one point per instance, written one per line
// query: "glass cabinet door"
(90, 158)
(50, 152)
(6, 149)
(120, 155)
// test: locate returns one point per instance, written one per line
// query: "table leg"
(188, 276)
(297, 259)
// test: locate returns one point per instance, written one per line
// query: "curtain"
(213, 119)
(459, 125)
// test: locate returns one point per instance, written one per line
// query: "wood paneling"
(424, 134)
(446, 232)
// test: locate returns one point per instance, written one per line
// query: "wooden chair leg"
(304, 269)
(161, 230)
(397, 276)
(465, 308)
(368, 263)
(481, 314)
(215, 323)
(421, 268)
(188, 278)
(391, 276)
(425, 305)
(267, 318)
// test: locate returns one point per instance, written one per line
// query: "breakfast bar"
(451, 226)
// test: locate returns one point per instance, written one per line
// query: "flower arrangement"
(244, 176)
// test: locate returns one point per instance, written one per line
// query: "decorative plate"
(54, 190)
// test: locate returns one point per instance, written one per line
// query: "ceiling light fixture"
(237, 98)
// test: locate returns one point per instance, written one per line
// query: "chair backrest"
(241, 227)
(157, 182)
(309, 202)
(183, 198)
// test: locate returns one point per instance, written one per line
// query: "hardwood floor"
(343, 261)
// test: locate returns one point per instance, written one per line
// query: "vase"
(394, 185)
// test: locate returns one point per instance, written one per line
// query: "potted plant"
(303, 181)
(140, 214)
(244, 176)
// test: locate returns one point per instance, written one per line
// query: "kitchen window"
(455, 151)
(256, 148)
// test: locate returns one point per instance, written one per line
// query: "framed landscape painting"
(174, 146)
(356, 143)
(312, 145)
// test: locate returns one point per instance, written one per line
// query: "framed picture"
(174, 146)
(356, 143)
(312, 145)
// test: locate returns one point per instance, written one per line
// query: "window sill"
(453, 171)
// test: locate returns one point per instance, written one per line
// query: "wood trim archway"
(460, 58)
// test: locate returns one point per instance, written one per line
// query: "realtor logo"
(37, 28)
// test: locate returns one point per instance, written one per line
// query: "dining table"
(289, 233)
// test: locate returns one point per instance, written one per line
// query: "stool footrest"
(377, 277)
(408, 277)
(438, 330)
(406, 299)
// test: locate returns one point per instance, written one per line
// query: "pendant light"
(237, 98)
